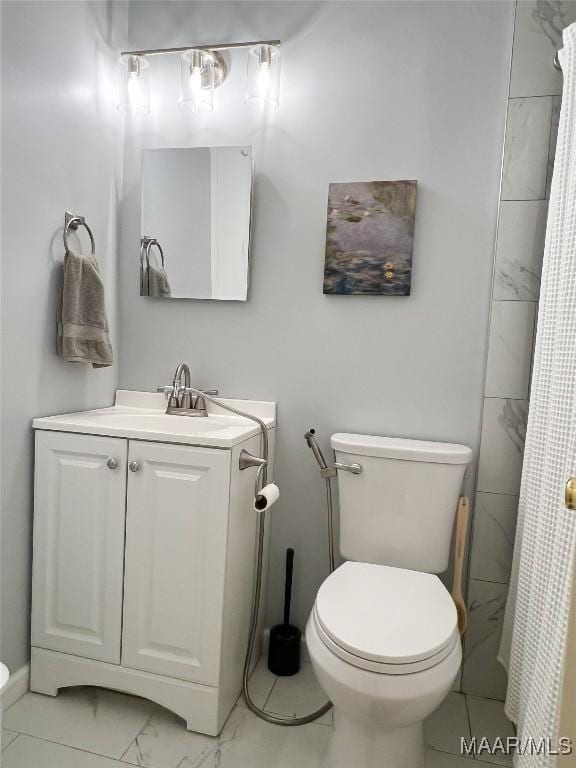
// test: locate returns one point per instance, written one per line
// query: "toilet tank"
(400, 509)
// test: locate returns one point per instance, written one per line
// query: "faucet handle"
(172, 394)
(187, 398)
(200, 402)
(191, 400)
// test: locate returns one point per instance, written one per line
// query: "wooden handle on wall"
(462, 517)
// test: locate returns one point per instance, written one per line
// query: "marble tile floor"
(95, 728)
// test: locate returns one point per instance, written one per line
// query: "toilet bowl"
(385, 647)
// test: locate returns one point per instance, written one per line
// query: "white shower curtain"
(536, 620)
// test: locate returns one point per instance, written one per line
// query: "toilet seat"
(387, 620)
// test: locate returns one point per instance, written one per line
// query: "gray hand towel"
(82, 325)
(158, 284)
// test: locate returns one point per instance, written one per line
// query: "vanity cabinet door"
(176, 535)
(79, 520)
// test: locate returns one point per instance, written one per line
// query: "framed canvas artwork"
(369, 237)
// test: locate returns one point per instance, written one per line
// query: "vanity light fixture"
(134, 90)
(200, 73)
(263, 74)
(202, 70)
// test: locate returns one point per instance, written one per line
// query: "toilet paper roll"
(267, 496)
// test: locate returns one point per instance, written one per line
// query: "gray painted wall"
(61, 148)
(370, 90)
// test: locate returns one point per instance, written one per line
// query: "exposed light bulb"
(263, 79)
(134, 92)
(196, 79)
(133, 89)
(263, 75)
(196, 86)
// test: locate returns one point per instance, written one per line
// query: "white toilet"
(383, 634)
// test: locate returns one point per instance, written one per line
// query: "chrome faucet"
(183, 398)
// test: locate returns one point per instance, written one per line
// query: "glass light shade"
(197, 80)
(263, 75)
(133, 87)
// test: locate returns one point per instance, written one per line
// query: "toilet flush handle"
(356, 469)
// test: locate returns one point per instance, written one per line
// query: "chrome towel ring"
(146, 244)
(71, 222)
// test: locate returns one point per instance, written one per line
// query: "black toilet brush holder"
(285, 638)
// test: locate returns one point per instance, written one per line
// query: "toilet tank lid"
(402, 448)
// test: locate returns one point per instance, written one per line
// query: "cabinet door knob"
(112, 463)
(134, 466)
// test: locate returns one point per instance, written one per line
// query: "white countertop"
(142, 416)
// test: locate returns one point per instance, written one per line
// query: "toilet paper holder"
(247, 460)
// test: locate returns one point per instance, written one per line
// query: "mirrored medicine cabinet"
(195, 222)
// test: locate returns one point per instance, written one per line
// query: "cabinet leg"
(46, 690)
(40, 682)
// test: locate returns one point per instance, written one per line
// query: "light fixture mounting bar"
(207, 47)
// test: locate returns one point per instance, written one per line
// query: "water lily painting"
(369, 237)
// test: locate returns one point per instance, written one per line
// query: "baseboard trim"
(16, 687)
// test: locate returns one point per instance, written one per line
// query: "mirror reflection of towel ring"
(149, 245)
(143, 270)
(145, 244)
(72, 222)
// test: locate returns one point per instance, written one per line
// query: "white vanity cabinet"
(79, 544)
(176, 526)
(144, 561)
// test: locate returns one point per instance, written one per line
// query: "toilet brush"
(459, 546)
(284, 647)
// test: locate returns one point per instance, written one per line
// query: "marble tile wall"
(529, 147)
(526, 148)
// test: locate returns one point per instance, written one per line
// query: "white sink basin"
(128, 418)
(198, 425)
